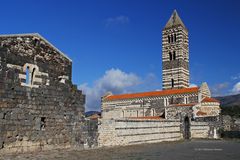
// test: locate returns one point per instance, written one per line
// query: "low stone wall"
(127, 132)
(204, 130)
(230, 123)
(199, 130)
(230, 127)
(230, 134)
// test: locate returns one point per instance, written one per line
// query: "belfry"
(175, 54)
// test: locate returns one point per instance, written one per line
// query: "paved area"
(184, 150)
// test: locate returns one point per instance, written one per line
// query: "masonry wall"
(204, 130)
(128, 132)
(179, 112)
(149, 106)
(230, 127)
(133, 108)
(200, 127)
(48, 111)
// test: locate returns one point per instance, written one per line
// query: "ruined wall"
(230, 126)
(40, 108)
(91, 135)
(128, 132)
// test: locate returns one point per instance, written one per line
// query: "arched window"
(153, 112)
(186, 100)
(123, 114)
(175, 38)
(43, 123)
(174, 55)
(137, 113)
(170, 56)
(27, 75)
(172, 83)
(165, 101)
(171, 38)
(172, 100)
(168, 39)
(33, 75)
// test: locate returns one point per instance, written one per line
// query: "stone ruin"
(40, 108)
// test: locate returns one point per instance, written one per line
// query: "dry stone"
(40, 108)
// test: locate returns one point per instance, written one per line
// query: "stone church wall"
(128, 132)
(41, 109)
(133, 108)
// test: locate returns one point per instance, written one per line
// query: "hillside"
(89, 113)
(230, 105)
(231, 100)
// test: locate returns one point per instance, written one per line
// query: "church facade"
(177, 112)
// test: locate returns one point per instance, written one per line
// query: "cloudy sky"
(115, 45)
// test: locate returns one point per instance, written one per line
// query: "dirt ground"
(183, 150)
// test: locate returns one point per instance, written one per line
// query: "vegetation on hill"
(230, 105)
(233, 111)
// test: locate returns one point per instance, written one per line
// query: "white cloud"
(236, 88)
(236, 77)
(119, 20)
(114, 80)
(220, 89)
(117, 82)
(193, 85)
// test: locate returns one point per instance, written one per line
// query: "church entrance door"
(186, 128)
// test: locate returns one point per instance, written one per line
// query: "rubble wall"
(40, 108)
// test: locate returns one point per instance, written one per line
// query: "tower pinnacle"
(174, 20)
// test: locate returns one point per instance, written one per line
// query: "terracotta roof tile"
(200, 113)
(94, 116)
(147, 117)
(182, 105)
(208, 99)
(152, 94)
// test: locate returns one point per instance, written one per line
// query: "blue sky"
(115, 45)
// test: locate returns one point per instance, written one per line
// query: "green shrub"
(233, 111)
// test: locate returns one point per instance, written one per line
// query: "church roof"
(208, 99)
(152, 94)
(174, 20)
(147, 118)
(183, 105)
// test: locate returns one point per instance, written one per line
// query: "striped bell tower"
(175, 54)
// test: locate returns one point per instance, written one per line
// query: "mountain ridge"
(229, 100)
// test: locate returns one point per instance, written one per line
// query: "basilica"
(177, 112)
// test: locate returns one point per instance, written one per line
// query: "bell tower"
(175, 54)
